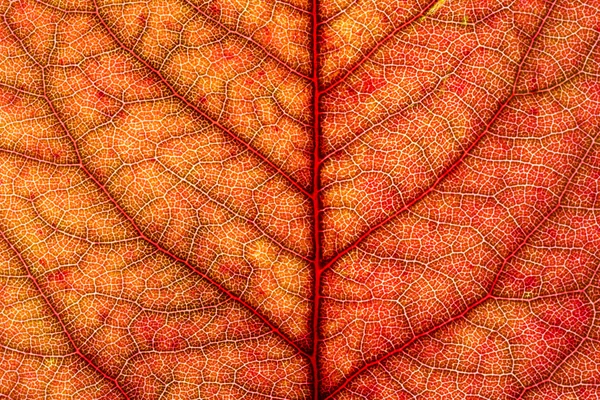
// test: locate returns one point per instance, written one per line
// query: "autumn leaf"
(335, 200)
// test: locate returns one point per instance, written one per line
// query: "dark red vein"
(367, 56)
(576, 349)
(60, 321)
(455, 164)
(562, 362)
(193, 268)
(249, 221)
(26, 266)
(489, 293)
(168, 253)
(340, 12)
(525, 240)
(140, 233)
(204, 115)
(249, 39)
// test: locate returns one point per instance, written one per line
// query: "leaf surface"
(367, 199)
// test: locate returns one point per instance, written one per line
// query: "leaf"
(363, 199)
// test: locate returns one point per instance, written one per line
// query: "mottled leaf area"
(300, 199)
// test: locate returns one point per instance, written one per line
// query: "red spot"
(552, 233)
(370, 84)
(532, 282)
(228, 54)
(324, 38)
(104, 314)
(570, 314)
(371, 391)
(533, 83)
(227, 268)
(142, 19)
(154, 229)
(486, 348)
(458, 86)
(9, 98)
(214, 9)
(261, 292)
(120, 115)
(432, 226)
(149, 81)
(542, 196)
(506, 145)
(148, 326)
(579, 313)
(348, 95)
(492, 23)
(169, 338)
(174, 26)
(103, 99)
(267, 34)
(252, 373)
(22, 6)
(61, 279)
(382, 198)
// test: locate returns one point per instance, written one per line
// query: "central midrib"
(315, 203)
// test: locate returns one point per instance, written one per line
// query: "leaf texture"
(327, 199)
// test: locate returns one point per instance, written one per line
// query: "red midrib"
(315, 203)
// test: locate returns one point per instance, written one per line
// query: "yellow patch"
(436, 7)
